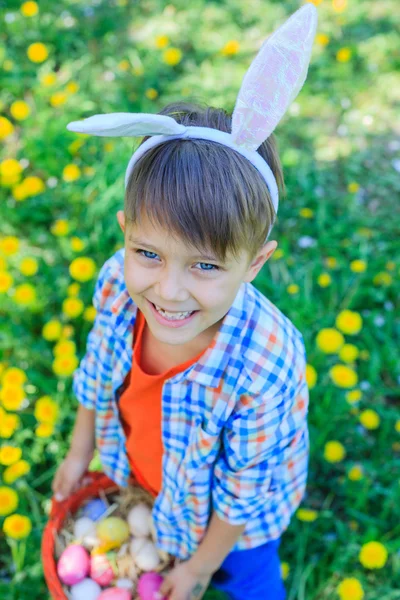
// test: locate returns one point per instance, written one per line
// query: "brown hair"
(207, 195)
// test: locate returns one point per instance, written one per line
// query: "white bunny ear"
(127, 124)
(274, 79)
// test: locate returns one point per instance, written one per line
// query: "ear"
(264, 254)
(121, 219)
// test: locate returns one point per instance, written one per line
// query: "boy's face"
(160, 270)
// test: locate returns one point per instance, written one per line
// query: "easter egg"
(101, 570)
(147, 558)
(139, 520)
(94, 509)
(112, 529)
(73, 565)
(87, 589)
(115, 594)
(149, 583)
(83, 527)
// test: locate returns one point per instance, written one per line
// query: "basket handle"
(56, 505)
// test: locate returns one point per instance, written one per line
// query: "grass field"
(335, 273)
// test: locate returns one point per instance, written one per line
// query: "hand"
(69, 476)
(184, 583)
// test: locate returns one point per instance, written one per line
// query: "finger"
(163, 590)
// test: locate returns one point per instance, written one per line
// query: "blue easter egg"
(94, 509)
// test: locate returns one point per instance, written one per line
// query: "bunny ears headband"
(270, 85)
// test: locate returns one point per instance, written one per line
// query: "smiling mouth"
(174, 311)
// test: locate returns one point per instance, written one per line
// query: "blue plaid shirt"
(234, 424)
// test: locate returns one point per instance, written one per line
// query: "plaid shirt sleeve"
(84, 378)
(256, 439)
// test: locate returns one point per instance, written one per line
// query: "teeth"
(173, 316)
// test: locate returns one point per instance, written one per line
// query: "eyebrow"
(141, 243)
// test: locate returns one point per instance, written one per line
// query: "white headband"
(270, 85)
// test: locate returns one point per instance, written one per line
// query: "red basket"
(59, 512)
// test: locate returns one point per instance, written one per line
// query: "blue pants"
(253, 574)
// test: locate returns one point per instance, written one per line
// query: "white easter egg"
(85, 590)
(125, 583)
(84, 526)
(90, 541)
(136, 544)
(147, 558)
(138, 520)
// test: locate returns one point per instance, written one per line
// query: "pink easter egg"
(73, 565)
(148, 583)
(115, 594)
(101, 570)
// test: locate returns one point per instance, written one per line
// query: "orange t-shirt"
(140, 410)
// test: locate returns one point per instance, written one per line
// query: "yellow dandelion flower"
(89, 314)
(365, 355)
(52, 330)
(390, 265)
(343, 376)
(353, 396)
(73, 289)
(349, 322)
(82, 268)
(331, 262)
(350, 589)
(60, 228)
(48, 79)
(64, 348)
(44, 430)
(29, 9)
(77, 244)
(230, 48)
(329, 340)
(109, 146)
(19, 192)
(306, 514)
(8, 500)
(339, 5)
(72, 87)
(15, 471)
(20, 110)
(72, 307)
(6, 128)
(9, 423)
(334, 451)
(6, 281)
(172, 56)
(306, 213)
(311, 376)
(64, 366)
(370, 419)
(293, 288)
(349, 353)
(285, 570)
(315, 2)
(354, 526)
(138, 70)
(71, 172)
(14, 376)
(33, 185)
(324, 280)
(353, 187)
(46, 410)
(322, 39)
(343, 55)
(12, 396)
(25, 294)
(358, 266)
(58, 99)
(17, 527)
(9, 455)
(161, 41)
(28, 266)
(67, 332)
(383, 279)
(373, 555)
(124, 65)
(356, 473)
(279, 253)
(37, 52)
(10, 172)
(397, 426)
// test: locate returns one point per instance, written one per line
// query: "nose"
(171, 286)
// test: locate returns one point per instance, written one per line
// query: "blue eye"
(214, 267)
